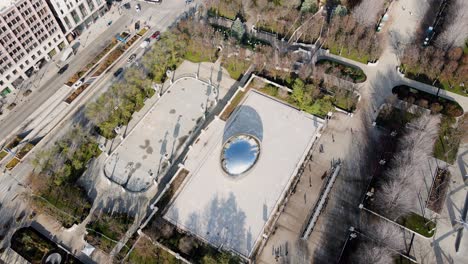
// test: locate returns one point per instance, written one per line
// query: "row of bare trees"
(397, 194)
(436, 63)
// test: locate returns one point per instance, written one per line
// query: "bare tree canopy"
(397, 194)
(456, 32)
(367, 11)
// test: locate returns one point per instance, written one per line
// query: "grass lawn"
(350, 54)
(232, 106)
(447, 143)
(419, 224)
(105, 226)
(319, 107)
(347, 101)
(69, 204)
(145, 252)
(415, 74)
(236, 67)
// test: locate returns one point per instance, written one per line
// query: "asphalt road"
(157, 16)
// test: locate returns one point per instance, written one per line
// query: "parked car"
(63, 69)
(137, 8)
(118, 72)
(78, 83)
(131, 58)
(156, 35)
(137, 25)
(127, 5)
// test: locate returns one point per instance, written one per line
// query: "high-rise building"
(29, 34)
(74, 16)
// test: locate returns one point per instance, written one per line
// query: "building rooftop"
(264, 142)
(4, 4)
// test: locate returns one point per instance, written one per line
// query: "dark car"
(63, 69)
(127, 5)
(137, 25)
(156, 35)
(118, 72)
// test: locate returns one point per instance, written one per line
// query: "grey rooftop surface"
(232, 211)
(158, 136)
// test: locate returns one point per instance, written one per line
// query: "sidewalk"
(50, 68)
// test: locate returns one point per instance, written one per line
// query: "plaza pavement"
(340, 142)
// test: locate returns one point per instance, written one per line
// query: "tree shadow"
(222, 223)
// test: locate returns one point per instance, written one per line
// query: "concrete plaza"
(153, 143)
(232, 212)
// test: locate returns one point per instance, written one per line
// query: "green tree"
(340, 10)
(238, 29)
(309, 6)
(298, 92)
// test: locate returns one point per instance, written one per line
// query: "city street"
(48, 82)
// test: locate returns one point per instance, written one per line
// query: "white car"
(78, 83)
(137, 8)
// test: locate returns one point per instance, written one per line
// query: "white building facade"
(29, 34)
(74, 16)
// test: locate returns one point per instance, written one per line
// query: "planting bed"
(14, 142)
(12, 163)
(24, 150)
(90, 65)
(104, 229)
(426, 100)
(76, 93)
(3, 154)
(439, 190)
(419, 224)
(113, 56)
(342, 71)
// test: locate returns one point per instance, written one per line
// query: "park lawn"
(69, 203)
(104, 228)
(223, 11)
(419, 224)
(319, 107)
(146, 252)
(236, 67)
(349, 54)
(447, 143)
(346, 102)
(415, 74)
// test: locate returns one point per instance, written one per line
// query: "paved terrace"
(232, 212)
(158, 136)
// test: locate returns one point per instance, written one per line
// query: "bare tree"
(455, 33)
(397, 194)
(366, 12)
